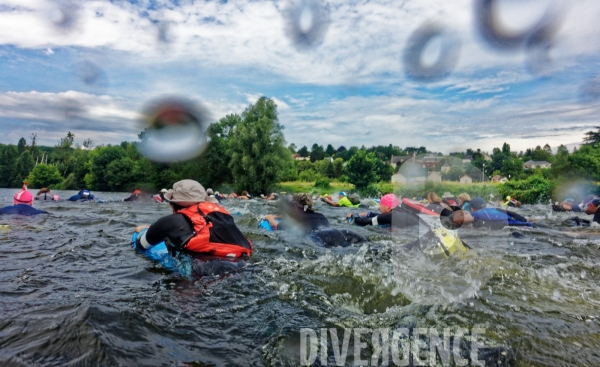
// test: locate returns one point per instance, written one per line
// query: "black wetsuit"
(398, 217)
(176, 230)
(22, 209)
(320, 230)
(597, 216)
(438, 208)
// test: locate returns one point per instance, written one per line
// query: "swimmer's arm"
(272, 220)
(140, 227)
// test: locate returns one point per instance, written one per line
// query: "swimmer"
(273, 196)
(464, 201)
(391, 215)
(199, 227)
(512, 202)
(436, 204)
(481, 216)
(568, 205)
(300, 210)
(160, 197)
(22, 204)
(591, 205)
(343, 201)
(134, 196)
(83, 195)
(45, 194)
(451, 201)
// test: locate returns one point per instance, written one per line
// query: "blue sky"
(90, 67)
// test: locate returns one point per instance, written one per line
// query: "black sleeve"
(382, 219)
(174, 229)
(597, 216)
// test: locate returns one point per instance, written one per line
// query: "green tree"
(22, 167)
(258, 153)
(362, 169)
(512, 168)
(8, 158)
(338, 167)
(105, 156)
(324, 167)
(44, 175)
(119, 174)
(292, 148)
(63, 152)
(303, 151)
(317, 153)
(330, 150)
(592, 137)
(212, 167)
(384, 170)
(22, 145)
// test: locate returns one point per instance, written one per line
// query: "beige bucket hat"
(187, 193)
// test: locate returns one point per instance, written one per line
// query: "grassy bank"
(301, 186)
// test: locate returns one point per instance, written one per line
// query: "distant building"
(445, 167)
(536, 164)
(299, 158)
(434, 177)
(486, 157)
(397, 161)
(467, 159)
(499, 179)
(466, 179)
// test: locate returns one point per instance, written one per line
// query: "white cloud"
(49, 51)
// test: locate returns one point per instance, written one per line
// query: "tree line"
(248, 151)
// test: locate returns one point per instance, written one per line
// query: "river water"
(74, 292)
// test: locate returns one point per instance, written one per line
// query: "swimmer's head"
(186, 193)
(387, 203)
(342, 193)
(23, 197)
(477, 203)
(304, 200)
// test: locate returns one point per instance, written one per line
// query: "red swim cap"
(389, 200)
(23, 197)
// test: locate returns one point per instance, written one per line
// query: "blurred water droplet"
(64, 15)
(499, 35)
(590, 91)
(72, 109)
(307, 23)
(418, 62)
(91, 74)
(165, 33)
(175, 130)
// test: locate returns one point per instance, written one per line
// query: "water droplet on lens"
(64, 15)
(499, 35)
(419, 64)
(91, 74)
(590, 91)
(175, 130)
(307, 23)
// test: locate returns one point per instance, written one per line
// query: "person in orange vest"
(134, 196)
(199, 227)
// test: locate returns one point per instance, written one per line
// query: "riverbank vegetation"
(248, 152)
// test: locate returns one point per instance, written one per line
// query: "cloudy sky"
(343, 72)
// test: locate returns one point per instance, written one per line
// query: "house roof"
(400, 158)
(536, 162)
(445, 164)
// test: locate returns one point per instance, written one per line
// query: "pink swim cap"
(23, 197)
(389, 200)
